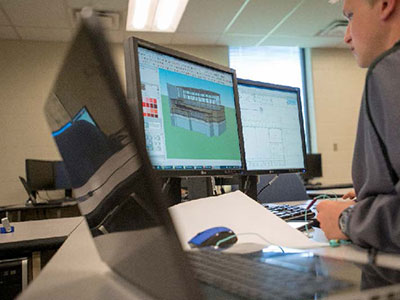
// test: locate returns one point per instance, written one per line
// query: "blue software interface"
(272, 128)
(189, 114)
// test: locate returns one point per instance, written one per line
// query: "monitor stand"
(198, 187)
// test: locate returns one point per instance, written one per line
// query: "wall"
(338, 84)
(27, 71)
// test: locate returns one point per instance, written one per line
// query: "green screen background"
(186, 144)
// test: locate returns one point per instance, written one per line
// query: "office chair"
(287, 187)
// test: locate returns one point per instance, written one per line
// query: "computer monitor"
(39, 174)
(314, 166)
(273, 131)
(188, 110)
(46, 175)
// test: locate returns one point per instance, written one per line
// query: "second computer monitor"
(273, 131)
(188, 108)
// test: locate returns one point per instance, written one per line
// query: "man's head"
(374, 26)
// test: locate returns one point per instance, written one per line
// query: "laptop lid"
(111, 175)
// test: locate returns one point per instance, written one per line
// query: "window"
(278, 65)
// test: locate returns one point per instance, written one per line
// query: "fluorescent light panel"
(155, 15)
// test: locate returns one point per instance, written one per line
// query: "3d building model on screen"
(197, 110)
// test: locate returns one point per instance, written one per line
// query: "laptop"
(121, 197)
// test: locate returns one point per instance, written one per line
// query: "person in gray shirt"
(373, 219)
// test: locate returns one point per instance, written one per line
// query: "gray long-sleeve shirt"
(375, 220)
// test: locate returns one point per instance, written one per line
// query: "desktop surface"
(78, 263)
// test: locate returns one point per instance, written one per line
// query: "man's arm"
(374, 221)
(328, 216)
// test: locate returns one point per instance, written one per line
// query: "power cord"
(268, 184)
(90, 193)
(324, 196)
(247, 233)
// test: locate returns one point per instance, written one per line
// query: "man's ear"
(387, 7)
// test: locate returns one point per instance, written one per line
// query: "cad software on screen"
(189, 114)
(271, 128)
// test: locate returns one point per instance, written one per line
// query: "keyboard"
(253, 279)
(289, 212)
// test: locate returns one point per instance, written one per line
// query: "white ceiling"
(204, 22)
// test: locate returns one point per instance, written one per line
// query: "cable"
(90, 193)
(246, 185)
(268, 184)
(247, 233)
(324, 196)
(165, 185)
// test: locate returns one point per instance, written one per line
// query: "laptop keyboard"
(253, 279)
(289, 212)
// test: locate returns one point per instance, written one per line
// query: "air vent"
(108, 19)
(335, 29)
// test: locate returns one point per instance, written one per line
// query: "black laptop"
(96, 131)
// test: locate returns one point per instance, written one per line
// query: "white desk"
(77, 272)
(37, 240)
(39, 230)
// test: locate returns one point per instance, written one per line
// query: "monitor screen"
(46, 175)
(39, 174)
(272, 125)
(188, 111)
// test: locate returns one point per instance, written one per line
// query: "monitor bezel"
(284, 88)
(134, 95)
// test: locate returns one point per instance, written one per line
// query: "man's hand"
(328, 217)
(350, 195)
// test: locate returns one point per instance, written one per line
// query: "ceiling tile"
(195, 38)
(8, 33)
(155, 37)
(3, 18)
(208, 15)
(245, 40)
(327, 13)
(45, 34)
(37, 13)
(261, 16)
(301, 41)
(114, 5)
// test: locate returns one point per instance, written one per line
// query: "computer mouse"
(221, 237)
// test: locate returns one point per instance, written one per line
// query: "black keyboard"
(289, 212)
(253, 279)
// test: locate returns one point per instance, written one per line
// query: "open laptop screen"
(111, 175)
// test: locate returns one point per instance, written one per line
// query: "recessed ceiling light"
(155, 15)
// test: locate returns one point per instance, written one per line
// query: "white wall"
(27, 72)
(338, 84)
